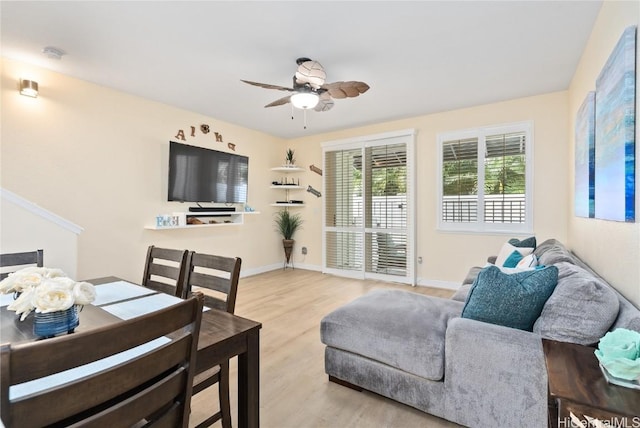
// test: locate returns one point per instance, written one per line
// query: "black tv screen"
(197, 174)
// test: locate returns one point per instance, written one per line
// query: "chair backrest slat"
(14, 261)
(217, 273)
(168, 264)
(142, 387)
(216, 283)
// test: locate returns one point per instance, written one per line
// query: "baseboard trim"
(421, 282)
(276, 266)
(449, 285)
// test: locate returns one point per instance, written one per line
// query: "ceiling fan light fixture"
(305, 100)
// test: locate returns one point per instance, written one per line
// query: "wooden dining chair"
(165, 270)
(14, 261)
(217, 278)
(149, 386)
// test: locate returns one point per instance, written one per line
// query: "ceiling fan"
(309, 89)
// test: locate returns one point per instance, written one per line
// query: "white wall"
(611, 248)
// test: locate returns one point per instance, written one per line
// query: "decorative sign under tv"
(197, 174)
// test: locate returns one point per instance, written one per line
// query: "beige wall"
(447, 256)
(611, 248)
(98, 158)
(24, 227)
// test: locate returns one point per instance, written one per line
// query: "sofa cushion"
(553, 251)
(528, 242)
(471, 275)
(512, 300)
(402, 329)
(580, 310)
(461, 293)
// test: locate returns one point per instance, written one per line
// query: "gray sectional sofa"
(418, 350)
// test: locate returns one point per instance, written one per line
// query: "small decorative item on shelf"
(290, 161)
(166, 220)
(51, 294)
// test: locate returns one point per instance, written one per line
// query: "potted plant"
(287, 224)
(289, 159)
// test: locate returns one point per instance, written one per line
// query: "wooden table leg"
(249, 384)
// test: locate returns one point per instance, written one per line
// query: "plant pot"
(288, 248)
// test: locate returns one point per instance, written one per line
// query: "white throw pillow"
(528, 261)
(506, 251)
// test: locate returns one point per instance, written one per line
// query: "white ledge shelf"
(191, 226)
(287, 205)
(287, 169)
(236, 218)
(287, 186)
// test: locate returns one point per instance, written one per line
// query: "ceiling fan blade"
(279, 102)
(324, 105)
(346, 89)
(268, 86)
(311, 72)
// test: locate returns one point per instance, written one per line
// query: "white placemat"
(118, 291)
(6, 299)
(141, 306)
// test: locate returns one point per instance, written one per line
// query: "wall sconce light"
(29, 88)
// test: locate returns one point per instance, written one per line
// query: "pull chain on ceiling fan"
(310, 91)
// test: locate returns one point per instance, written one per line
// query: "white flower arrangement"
(45, 290)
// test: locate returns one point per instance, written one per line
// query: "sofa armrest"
(494, 375)
(492, 259)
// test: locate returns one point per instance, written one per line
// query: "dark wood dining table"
(222, 336)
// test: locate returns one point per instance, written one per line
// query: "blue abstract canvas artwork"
(615, 133)
(585, 153)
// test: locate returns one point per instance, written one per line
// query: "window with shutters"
(485, 178)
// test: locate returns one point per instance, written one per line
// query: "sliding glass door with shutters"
(369, 203)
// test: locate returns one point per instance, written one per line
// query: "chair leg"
(225, 407)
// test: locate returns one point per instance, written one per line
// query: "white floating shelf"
(287, 205)
(287, 187)
(236, 218)
(287, 169)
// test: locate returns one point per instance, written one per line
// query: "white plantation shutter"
(504, 173)
(460, 180)
(343, 210)
(368, 208)
(485, 178)
(386, 209)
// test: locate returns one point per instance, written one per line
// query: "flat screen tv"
(197, 174)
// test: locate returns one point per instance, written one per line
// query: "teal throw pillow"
(513, 260)
(512, 300)
(525, 243)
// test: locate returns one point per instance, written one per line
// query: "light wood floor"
(294, 390)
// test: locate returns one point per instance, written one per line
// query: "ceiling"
(419, 57)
